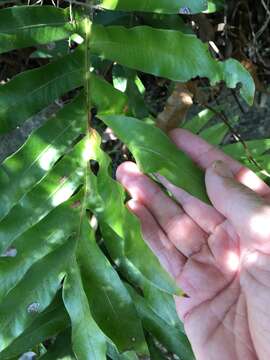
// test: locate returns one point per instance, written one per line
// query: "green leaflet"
(163, 305)
(159, 6)
(109, 301)
(155, 352)
(233, 73)
(40, 240)
(105, 97)
(19, 18)
(126, 80)
(135, 99)
(33, 90)
(161, 21)
(199, 121)
(88, 341)
(169, 336)
(155, 153)
(113, 18)
(33, 294)
(23, 26)
(168, 53)
(124, 238)
(215, 134)
(256, 148)
(21, 171)
(265, 163)
(57, 187)
(50, 322)
(33, 37)
(113, 354)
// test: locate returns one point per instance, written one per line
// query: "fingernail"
(222, 169)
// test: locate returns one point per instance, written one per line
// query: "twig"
(266, 23)
(265, 7)
(236, 135)
(237, 101)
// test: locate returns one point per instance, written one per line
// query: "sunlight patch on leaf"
(47, 158)
(64, 193)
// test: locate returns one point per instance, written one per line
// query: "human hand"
(219, 255)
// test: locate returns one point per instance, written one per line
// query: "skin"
(219, 255)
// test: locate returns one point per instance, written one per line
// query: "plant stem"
(87, 65)
(89, 130)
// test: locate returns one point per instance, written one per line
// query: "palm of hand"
(217, 262)
(216, 314)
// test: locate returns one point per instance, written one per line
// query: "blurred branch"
(236, 136)
(266, 23)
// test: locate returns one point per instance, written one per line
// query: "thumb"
(247, 212)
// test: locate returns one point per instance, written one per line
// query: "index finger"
(205, 154)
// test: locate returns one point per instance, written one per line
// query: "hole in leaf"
(94, 165)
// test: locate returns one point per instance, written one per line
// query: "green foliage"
(171, 52)
(159, 6)
(93, 294)
(22, 26)
(155, 153)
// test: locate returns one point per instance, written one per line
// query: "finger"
(247, 211)
(170, 258)
(205, 154)
(181, 230)
(207, 217)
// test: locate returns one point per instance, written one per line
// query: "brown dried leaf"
(176, 108)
